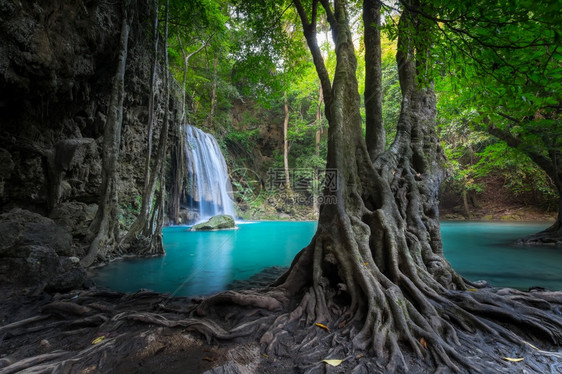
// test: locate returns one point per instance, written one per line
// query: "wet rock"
(220, 222)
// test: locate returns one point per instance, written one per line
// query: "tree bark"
(143, 229)
(317, 139)
(105, 225)
(286, 142)
(147, 195)
(157, 222)
(375, 133)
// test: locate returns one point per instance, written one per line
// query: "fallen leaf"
(265, 355)
(472, 289)
(333, 362)
(99, 339)
(366, 264)
(359, 356)
(423, 342)
(322, 326)
(513, 359)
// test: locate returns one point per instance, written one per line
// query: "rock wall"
(57, 59)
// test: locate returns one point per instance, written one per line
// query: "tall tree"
(286, 142)
(146, 228)
(374, 276)
(375, 135)
(105, 227)
(141, 222)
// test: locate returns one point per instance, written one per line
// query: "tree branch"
(309, 30)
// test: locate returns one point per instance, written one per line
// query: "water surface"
(484, 250)
(201, 263)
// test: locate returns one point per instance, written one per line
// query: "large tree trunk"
(374, 275)
(105, 225)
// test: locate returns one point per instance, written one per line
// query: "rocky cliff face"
(57, 59)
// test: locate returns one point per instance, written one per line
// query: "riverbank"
(489, 208)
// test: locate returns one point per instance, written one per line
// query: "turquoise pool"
(201, 263)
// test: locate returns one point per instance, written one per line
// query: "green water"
(201, 263)
(482, 250)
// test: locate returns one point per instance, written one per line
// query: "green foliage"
(501, 69)
(244, 138)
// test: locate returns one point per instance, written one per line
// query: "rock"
(6, 167)
(74, 216)
(220, 222)
(34, 253)
(20, 228)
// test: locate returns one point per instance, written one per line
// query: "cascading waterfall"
(209, 186)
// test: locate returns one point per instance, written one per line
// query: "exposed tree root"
(550, 236)
(462, 331)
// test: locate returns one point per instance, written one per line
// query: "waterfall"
(209, 186)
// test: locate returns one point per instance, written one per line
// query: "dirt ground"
(494, 204)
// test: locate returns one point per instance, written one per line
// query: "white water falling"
(208, 175)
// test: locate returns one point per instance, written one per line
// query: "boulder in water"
(220, 222)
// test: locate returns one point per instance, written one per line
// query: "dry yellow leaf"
(99, 339)
(513, 359)
(333, 362)
(322, 326)
(423, 342)
(472, 289)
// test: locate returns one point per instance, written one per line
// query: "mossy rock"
(220, 222)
